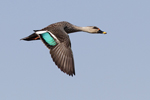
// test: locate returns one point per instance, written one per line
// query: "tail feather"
(31, 37)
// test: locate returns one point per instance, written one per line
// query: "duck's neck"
(69, 28)
(84, 29)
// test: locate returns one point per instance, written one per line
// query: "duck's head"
(93, 29)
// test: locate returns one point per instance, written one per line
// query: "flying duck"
(56, 39)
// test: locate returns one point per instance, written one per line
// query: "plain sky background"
(115, 66)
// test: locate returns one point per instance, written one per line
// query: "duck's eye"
(95, 27)
(65, 27)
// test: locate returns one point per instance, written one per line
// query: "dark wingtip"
(22, 39)
(26, 39)
(31, 37)
(36, 30)
(71, 74)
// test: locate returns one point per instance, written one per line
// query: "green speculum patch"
(48, 39)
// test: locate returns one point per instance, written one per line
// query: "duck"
(56, 39)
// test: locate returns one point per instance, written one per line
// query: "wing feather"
(63, 58)
(61, 53)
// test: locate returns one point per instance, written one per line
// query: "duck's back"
(57, 29)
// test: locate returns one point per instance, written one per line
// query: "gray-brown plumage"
(55, 37)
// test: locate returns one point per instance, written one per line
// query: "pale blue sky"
(115, 66)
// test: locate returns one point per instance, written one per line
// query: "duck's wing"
(31, 37)
(63, 57)
(60, 50)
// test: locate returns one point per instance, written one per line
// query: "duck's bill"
(104, 33)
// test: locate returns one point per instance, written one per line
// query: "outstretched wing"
(63, 57)
(60, 50)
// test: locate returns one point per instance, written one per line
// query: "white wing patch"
(41, 32)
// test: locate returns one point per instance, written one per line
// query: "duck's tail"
(31, 37)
